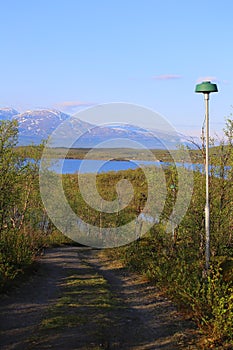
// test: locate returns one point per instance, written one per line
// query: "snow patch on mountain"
(37, 125)
(7, 113)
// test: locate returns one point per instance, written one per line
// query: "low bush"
(178, 269)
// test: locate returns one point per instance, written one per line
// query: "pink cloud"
(167, 77)
(207, 78)
(73, 104)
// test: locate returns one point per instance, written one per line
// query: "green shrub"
(179, 270)
(15, 254)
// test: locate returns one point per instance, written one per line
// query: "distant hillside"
(37, 125)
(7, 113)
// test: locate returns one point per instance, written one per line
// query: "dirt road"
(76, 300)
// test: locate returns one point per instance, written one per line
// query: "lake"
(72, 166)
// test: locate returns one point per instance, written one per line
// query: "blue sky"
(70, 54)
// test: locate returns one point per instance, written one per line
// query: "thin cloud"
(207, 78)
(73, 104)
(72, 107)
(213, 79)
(167, 77)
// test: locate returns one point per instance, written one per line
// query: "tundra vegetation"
(24, 225)
(174, 261)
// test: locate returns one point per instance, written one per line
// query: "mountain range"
(37, 125)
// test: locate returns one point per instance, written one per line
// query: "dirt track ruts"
(138, 317)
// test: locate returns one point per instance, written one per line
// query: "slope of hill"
(37, 125)
(7, 113)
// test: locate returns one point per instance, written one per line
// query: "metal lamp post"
(206, 88)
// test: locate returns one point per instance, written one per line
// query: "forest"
(174, 261)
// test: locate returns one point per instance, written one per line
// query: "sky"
(73, 54)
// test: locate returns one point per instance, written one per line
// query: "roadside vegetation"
(24, 225)
(174, 261)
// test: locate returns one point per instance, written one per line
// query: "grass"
(86, 302)
(84, 308)
(60, 320)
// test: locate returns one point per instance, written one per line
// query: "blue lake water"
(72, 166)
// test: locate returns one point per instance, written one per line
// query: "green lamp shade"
(206, 87)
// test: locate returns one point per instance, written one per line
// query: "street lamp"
(206, 88)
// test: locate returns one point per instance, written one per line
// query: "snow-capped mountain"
(121, 134)
(37, 125)
(7, 113)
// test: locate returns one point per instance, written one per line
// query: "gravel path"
(77, 300)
